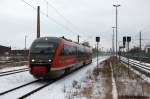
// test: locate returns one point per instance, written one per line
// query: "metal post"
(140, 48)
(128, 58)
(97, 55)
(119, 52)
(25, 42)
(38, 21)
(113, 48)
(116, 33)
(97, 40)
(78, 38)
(116, 28)
(25, 49)
(140, 42)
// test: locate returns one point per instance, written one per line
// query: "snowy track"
(23, 85)
(25, 90)
(143, 68)
(13, 71)
(10, 90)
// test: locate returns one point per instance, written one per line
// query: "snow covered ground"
(13, 68)
(144, 63)
(56, 90)
(131, 82)
(11, 81)
(137, 72)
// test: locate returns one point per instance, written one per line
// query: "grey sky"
(89, 18)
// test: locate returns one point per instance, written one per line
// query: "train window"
(62, 52)
(46, 47)
(68, 50)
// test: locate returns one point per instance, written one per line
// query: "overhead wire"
(49, 17)
(60, 14)
(145, 28)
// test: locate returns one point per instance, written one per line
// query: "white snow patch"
(12, 68)
(55, 90)
(144, 77)
(14, 80)
(114, 88)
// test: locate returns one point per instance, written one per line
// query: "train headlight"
(33, 60)
(49, 60)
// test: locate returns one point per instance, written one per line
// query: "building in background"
(4, 50)
(19, 52)
(147, 48)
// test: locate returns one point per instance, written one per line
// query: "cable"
(60, 14)
(148, 26)
(62, 25)
(29, 4)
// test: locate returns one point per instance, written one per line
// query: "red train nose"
(39, 70)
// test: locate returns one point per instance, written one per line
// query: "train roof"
(55, 39)
(48, 39)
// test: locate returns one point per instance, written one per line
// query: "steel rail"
(10, 90)
(13, 71)
(51, 82)
(144, 69)
(42, 86)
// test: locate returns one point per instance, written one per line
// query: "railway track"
(13, 71)
(38, 89)
(32, 87)
(144, 69)
(51, 82)
(10, 90)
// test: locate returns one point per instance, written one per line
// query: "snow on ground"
(20, 92)
(14, 80)
(144, 77)
(114, 89)
(144, 63)
(130, 82)
(12, 68)
(96, 85)
(56, 90)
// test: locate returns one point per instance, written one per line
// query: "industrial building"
(147, 48)
(4, 50)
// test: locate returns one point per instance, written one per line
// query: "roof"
(47, 39)
(147, 46)
(4, 46)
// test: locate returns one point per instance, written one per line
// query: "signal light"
(124, 39)
(97, 39)
(128, 39)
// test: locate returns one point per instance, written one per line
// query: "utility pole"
(97, 40)
(116, 6)
(140, 42)
(25, 49)
(113, 46)
(78, 38)
(140, 47)
(25, 42)
(38, 21)
(128, 41)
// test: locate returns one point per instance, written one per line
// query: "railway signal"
(128, 40)
(97, 40)
(124, 41)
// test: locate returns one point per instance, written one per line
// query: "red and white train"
(50, 57)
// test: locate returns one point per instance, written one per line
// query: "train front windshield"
(44, 46)
(42, 51)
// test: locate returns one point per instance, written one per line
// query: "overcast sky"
(88, 18)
